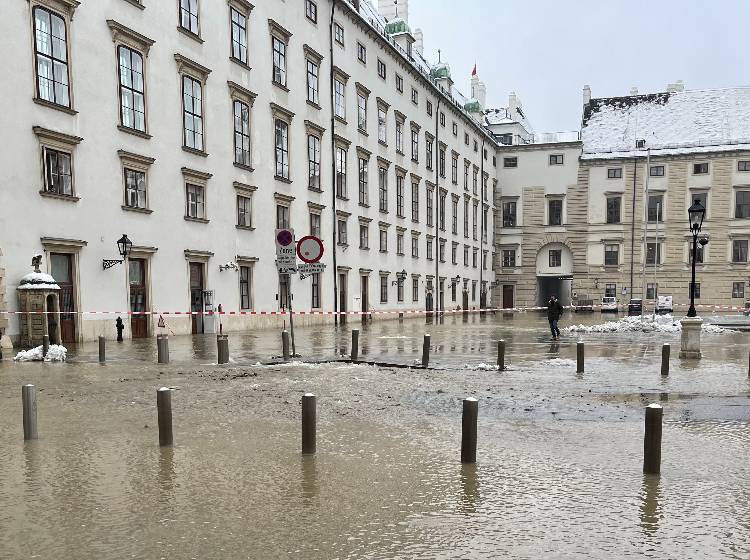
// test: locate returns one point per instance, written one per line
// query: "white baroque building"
(198, 127)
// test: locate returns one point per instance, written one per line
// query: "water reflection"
(650, 507)
(469, 488)
(309, 478)
(167, 475)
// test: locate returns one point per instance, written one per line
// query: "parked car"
(635, 307)
(609, 304)
(664, 305)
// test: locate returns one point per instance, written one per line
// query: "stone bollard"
(28, 399)
(501, 355)
(579, 357)
(102, 349)
(162, 348)
(426, 351)
(355, 345)
(469, 431)
(309, 421)
(285, 345)
(164, 412)
(45, 345)
(400, 316)
(222, 347)
(652, 440)
(665, 350)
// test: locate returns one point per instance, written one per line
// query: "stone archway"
(554, 270)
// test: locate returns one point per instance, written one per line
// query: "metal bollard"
(469, 430)
(45, 345)
(28, 399)
(579, 357)
(164, 412)
(309, 421)
(285, 345)
(162, 348)
(665, 349)
(102, 349)
(501, 355)
(222, 346)
(426, 351)
(652, 439)
(355, 345)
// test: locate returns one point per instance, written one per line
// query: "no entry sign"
(310, 249)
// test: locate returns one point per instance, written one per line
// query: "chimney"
(586, 94)
(478, 91)
(418, 41)
(513, 103)
(634, 91)
(678, 86)
(390, 9)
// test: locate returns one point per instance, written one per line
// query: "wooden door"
(138, 295)
(342, 297)
(507, 296)
(365, 280)
(61, 265)
(196, 297)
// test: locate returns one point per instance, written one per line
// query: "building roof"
(671, 123)
(501, 115)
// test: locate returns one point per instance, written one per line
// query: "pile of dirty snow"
(647, 324)
(56, 353)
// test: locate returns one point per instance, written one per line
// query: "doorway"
(508, 296)
(61, 266)
(342, 297)
(548, 286)
(196, 297)
(138, 303)
(365, 293)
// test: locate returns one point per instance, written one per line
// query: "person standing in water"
(554, 312)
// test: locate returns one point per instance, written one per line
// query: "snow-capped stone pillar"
(690, 341)
(39, 297)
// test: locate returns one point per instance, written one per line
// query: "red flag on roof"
(474, 72)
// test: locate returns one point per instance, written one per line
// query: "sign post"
(286, 264)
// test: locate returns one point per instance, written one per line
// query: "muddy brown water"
(559, 458)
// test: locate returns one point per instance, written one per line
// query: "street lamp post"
(696, 214)
(690, 338)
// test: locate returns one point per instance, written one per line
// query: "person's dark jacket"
(554, 310)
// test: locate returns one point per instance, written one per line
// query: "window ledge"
(342, 244)
(63, 108)
(190, 34)
(364, 248)
(238, 62)
(136, 3)
(383, 143)
(313, 104)
(68, 197)
(415, 256)
(339, 197)
(134, 132)
(199, 220)
(280, 86)
(400, 152)
(243, 166)
(315, 189)
(362, 131)
(415, 160)
(194, 151)
(342, 120)
(364, 205)
(246, 228)
(382, 250)
(283, 179)
(382, 211)
(134, 209)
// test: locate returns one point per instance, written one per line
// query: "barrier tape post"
(665, 350)
(355, 345)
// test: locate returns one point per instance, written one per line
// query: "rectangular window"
(509, 258)
(656, 171)
(315, 291)
(399, 84)
(610, 290)
(313, 162)
(189, 15)
(282, 216)
(58, 172)
(338, 33)
(466, 255)
(454, 222)
(241, 133)
(282, 149)
(362, 112)
(195, 201)
(739, 250)
(414, 96)
(311, 11)
(382, 189)
(614, 173)
(455, 129)
(381, 69)
(341, 232)
(738, 290)
(652, 290)
(556, 159)
(441, 248)
(51, 49)
(698, 253)
(428, 153)
(655, 208)
(283, 295)
(340, 172)
(613, 209)
(245, 283)
(466, 217)
(653, 253)
(192, 105)
(414, 145)
(467, 165)
(135, 189)
(382, 128)
(429, 108)
(415, 246)
(555, 212)
(743, 165)
(383, 240)
(441, 161)
(383, 289)
(555, 257)
(399, 243)
(474, 180)
(510, 162)
(415, 289)
(429, 207)
(454, 254)
(361, 53)
(441, 209)
(474, 219)
(244, 211)
(742, 204)
(364, 196)
(364, 236)
(474, 257)
(279, 61)
(611, 255)
(415, 201)
(399, 136)
(132, 101)
(400, 196)
(696, 289)
(315, 224)
(312, 82)
(239, 36)
(339, 99)
(701, 197)
(442, 119)
(700, 168)
(454, 169)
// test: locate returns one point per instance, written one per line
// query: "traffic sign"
(286, 258)
(310, 249)
(284, 237)
(306, 269)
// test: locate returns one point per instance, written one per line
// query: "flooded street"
(559, 459)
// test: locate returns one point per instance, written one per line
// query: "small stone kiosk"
(39, 294)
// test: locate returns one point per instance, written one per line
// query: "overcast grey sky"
(547, 50)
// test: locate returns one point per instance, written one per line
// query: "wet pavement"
(559, 457)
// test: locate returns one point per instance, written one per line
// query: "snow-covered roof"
(501, 115)
(38, 281)
(669, 122)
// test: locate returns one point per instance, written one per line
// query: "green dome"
(472, 106)
(441, 70)
(396, 26)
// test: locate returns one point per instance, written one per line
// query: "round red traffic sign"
(284, 237)
(310, 249)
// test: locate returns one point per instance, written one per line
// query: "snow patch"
(558, 362)
(662, 324)
(482, 367)
(56, 353)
